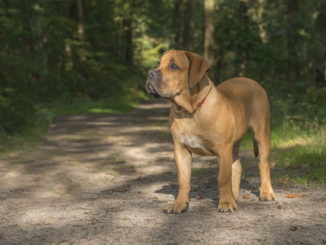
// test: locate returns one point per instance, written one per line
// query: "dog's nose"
(152, 73)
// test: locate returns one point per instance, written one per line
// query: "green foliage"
(299, 151)
(114, 104)
(46, 61)
(78, 56)
(302, 153)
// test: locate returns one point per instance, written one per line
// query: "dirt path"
(104, 179)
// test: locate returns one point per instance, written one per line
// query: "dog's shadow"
(206, 189)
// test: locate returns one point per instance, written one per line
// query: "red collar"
(201, 102)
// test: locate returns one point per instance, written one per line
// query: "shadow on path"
(104, 179)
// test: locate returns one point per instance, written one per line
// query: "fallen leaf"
(246, 197)
(322, 214)
(285, 180)
(280, 207)
(294, 195)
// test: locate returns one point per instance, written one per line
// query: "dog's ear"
(198, 66)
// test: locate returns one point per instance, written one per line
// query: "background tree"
(63, 51)
(209, 41)
(188, 25)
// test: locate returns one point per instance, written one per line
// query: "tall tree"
(209, 42)
(187, 26)
(261, 20)
(319, 49)
(244, 30)
(81, 29)
(176, 24)
(127, 49)
(292, 38)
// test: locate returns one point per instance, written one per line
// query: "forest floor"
(105, 178)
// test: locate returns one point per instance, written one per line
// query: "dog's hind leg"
(236, 170)
(261, 135)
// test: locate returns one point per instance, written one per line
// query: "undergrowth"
(297, 152)
(39, 123)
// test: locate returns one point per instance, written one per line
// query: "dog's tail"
(256, 151)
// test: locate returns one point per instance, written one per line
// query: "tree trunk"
(291, 40)
(261, 19)
(81, 29)
(187, 26)
(244, 25)
(209, 42)
(318, 54)
(128, 49)
(320, 73)
(176, 24)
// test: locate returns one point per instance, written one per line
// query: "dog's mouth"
(151, 90)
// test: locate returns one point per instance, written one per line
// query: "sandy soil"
(104, 179)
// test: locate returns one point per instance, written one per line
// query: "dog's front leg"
(227, 202)
(183, 161)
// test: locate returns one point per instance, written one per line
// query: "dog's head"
(178, 71)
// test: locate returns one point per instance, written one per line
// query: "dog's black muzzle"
(153, 77)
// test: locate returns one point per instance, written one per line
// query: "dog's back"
(246, 97)
(242, 88)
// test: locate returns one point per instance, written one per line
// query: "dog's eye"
(173, 66)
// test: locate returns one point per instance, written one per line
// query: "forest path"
(104, 179)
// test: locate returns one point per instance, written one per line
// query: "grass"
(21, 141)
(113, 104)
(297, 152)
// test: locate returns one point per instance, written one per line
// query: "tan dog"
(209, 120)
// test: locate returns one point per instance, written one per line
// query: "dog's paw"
(176, 207)
(227, 206)
(267, 196)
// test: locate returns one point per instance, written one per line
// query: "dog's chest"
(195, 144)
(192, 141)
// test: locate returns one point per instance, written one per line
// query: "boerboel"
(211, 120)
